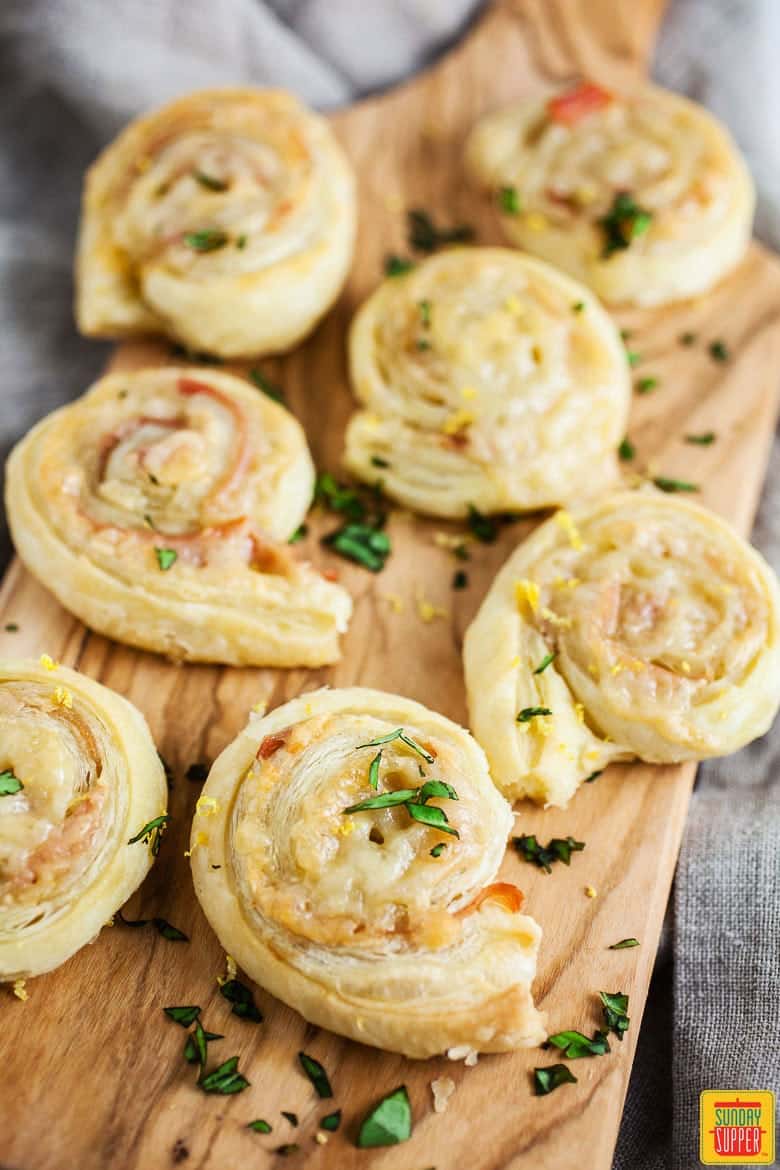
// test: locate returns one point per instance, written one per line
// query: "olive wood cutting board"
(93, 1071)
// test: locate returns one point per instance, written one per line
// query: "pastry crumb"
(63, 698)
(442, 1089)
(427, 610)
(395, 602)
(321, 1138)
(20, 991)
(591, 892)
(47, 662)
(463, 1052)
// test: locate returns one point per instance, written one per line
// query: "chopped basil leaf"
(438, 849)
(163, 927)
(529, 713)
(398, 265)
(241, 243)
(388, 1123)
(369, 547)
(687, 338)
(373, 770)
(593, 776)
(197, 773)
(485, 528)
(434, 788)
(299, 534)
(645, 385)
(674, 485)
(633, 358)
(210, 182)
(424, 308)
(269, 388)
(614, 1007)
(574, 1044)
(460, 579)
(225, 1080)
(339, 497)
(239, 995)
(543, 856)
(703, 440)
(578, 307)
(260, 1125)
(194, 1048)
(424, 236)
(718, 351)
(623, 223)
(186, 1016)
(331, 1121)
(431, 815)
(626, 450)
(509, 200)
(423, 343)
(166, 558)
(547, 1079)
(399, 733)
(548, 658)
(9, 784)
(208, 240)
(624, 944)
(384, 800)
(378, 461)
(11, 627)
(291, 1117)
(151, 833)
(316, 1074)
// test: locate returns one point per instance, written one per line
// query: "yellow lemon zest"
(564, 520)
(427, 610)
(591, 892)
(579, 711)
(63, 697)
(468, 392)
(48, 663)
(395, 602)
(527, 594)
(536, 222)
(20, 991)
(207, 806)
(563, 623)
(458, 421)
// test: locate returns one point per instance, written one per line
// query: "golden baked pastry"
(225, 220)
(79, 777)
(643, 195)
(157, 509)
(379, 923)
(487, 380)
(641, 626)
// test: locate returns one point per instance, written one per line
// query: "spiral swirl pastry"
(643, 196)
(79, 776)
(344, 851)
(225, 220)
(157, 509)
(643, 626)
(488, 380)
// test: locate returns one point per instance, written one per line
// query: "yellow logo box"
(737, 1127)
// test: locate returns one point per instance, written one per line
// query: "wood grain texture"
(96, 1073)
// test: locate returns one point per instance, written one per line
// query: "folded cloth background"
(73, 72)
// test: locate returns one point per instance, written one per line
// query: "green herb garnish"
(388, 1123)
(424, 236)
(674, 485)
(718, 351)
(415, 801)
(548, 658)
(460, 579)
(687, 339)
(291, 1117)
(166, 558)
(397, 265)
(11, 627)
(646, 385)
(186, 1016)
(593, 776)
(399, 733)
(210, 182)
(331, 1121)
(299, 534)
(547, 1079)
(624, 944)
(624, 222)
(529, 713)
(438, 849)
(575, 1045)
(260, 1125)
(578, 307)
(626, 450)
(424, 308)
(378, 461)
(485, 528)
(339, 497)
(423, 343)
(373, 770)
(241, 243)
(366, 546)
(197, 1043)
(243, 1002)
(161, 925)
(9, 784)
(614, 1007)
(316, 1074)
(703, 440)
(544, 856)
(265, 384)
(224, 1080)
(208, 240)
(509, 200)
(633, 358)
(151, 833)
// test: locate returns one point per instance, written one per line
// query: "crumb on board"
(591, 892)
(442, 1089)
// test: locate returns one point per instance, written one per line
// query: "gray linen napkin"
(73, 71)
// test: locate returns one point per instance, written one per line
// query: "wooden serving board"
(94, 1073)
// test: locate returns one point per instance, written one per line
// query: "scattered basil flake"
(388, 1123)
(438, 849)
(461, 552)
(578, 307)
(624, 222)
(424, 308)
(166, 558)
(208, 240)
(529, 713)
(210, 182)
(544, 856)
(373, 770)
(151, 833)
(197, 773)
(269, 388)
(299, 534)
(614, 1007)
(398, 265)
(291, 1117)
(548, 658)
(384, 800)
(316, 1074)
(624, 944)
(242, 1000)
(674, 485)
(633, 358)
(224, 1080)
(423, 343)
(241, 242)
(575, 1045)
(626, 450)
(593, 776)
(432, 816)
(366, 546)
(186, 1016)
(259, 1125)
(339, 497)
(424, 236)
(331, 1121)
(9, 784)
(547, 1079)
(485, 528)
(718, 351)
(687, 339)
(509, 200)
(703, 440)
(399, 733)
(11, 627)
(378, 461)
(161, 925)
(460, 579)
(194, 1046)
(646, 385)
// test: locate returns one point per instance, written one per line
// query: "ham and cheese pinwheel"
(225, 220)
(488, 380)
(642, 196)
(79, 777)
(344, 851)
(157, 509)
(643, 626)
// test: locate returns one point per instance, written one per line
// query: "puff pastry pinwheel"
(79, 777)
(156, 508)
(344, 851)
(643, 196)
(642, 626)
(488, 381)
(225, 220)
